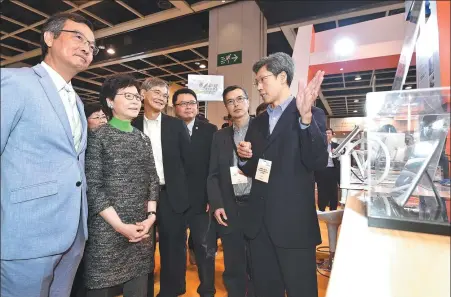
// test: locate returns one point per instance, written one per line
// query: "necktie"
(74, 116)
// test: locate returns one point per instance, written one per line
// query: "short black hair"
(330, 129)
(55, 24)
(110, 87)
(261, 108)
(230, 89)
(183, 91)
(91, 108)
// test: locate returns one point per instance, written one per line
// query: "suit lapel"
(165, 130)
(84, 123)
(195, 134)
(228, 145)
(284, 121)
(55, 100)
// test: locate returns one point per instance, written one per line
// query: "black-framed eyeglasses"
(82, 40)
(239, 99)
(160, 94)
(131, 96)
(261, 79)
(187, 103)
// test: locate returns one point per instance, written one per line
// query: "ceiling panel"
(112, 12)
(47, 6)
(146, 7)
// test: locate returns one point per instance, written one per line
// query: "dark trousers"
(276, 269)
(203, 234)
(327, 181)
(172, 245)
(136, 287)
(236, 276)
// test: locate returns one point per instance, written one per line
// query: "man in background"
(202, 233)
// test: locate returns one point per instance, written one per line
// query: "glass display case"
(406, 133)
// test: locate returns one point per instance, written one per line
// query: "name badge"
(263, 170)
(236, 177)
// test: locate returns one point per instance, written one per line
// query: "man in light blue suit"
(43, 143)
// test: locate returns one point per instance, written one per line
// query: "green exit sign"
(230, 58)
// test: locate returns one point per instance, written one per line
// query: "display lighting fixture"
(341, 69)
(358, 77)
(202, 66)
(344, 47)
(355, 110)
(356, 100)
(111, 51)
(408, 87)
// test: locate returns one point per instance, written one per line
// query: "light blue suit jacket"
(41, 201)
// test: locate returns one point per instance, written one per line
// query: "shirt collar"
(57, 79)
(236, 128)
(158, 119)
(191, 125)
(282, 106)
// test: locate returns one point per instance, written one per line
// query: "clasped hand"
(137, 232)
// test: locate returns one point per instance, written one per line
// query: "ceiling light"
(356, 100)
(344, 47)
(408, 87)
(197, 63)
(111, 51)
(341, 69)
(358, 77)
(355, 110)
(202, 66)
(223, 1)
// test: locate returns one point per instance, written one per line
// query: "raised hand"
(307, 95)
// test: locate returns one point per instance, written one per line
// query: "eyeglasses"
(160, 94)
(239, 99)
(82, 40)
(97, 118)
(261, 80)
(187, 103)
(131, 96)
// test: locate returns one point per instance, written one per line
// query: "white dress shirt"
(190, 127)
(69, 99)
(152, 128)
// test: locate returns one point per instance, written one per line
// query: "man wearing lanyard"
(228, 191)
(282, 149)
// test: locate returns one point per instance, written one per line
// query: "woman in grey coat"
(122, 192)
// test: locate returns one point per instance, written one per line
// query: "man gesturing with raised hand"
(282, 149)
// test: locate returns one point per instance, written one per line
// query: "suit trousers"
(236, 276)
(50, 276)
(276, 269)
(203, 234)
(172, 245)
(327, 181)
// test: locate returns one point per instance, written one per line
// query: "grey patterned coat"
(120, 172)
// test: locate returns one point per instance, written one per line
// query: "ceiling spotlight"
(111, 51)
(358, 77)
(223, 1)
(197, 63)
(202, 66)
(408, 87)
(164, 4)
(344, 47)
(356, 100)
(341, 69)
(102, 47)
(355, 110)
